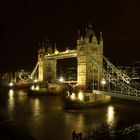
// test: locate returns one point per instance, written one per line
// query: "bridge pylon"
(88, 74)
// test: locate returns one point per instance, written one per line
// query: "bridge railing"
(121, 95)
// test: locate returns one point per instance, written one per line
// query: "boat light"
(32, 87)
(80, 96)
(73, 97)
(37, 87)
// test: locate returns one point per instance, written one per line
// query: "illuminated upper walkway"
(62, 55)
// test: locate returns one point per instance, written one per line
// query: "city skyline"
(24, 24)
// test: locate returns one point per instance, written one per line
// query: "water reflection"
(76, 121)
(11, 101)
(21, 96)
(36, 107)
(110, 115)
(11, 93)
(80, 122)
(44, 118)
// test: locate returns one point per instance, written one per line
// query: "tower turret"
(94, 40)
(56, 50)
(41, 53)
(78, 40)
(89, 32)
(82, 40)
(101, 39)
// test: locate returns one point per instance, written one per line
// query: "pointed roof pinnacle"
(90, 25)
(101, 36)
(78, 34)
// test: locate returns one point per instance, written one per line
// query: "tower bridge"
(86, 69)
(93, 69)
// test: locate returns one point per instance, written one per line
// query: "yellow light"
(11, 93)
(37, 87)
(36, 107)
(11, 84)
(80, 96)
(35, 80)
(61, 79)
(31, 77)
(73, 97)
(110, 115)
(32, 87)
(103, 82)
(56, 52)
(67, 50)
(11, 101)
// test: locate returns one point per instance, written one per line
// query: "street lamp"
(103, 82)
(11, 84)
(61, 79)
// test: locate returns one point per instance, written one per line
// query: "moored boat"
(37, 90)
(83, 100)
(40, 92)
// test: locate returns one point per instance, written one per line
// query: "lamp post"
(103, 82)
(61, 79)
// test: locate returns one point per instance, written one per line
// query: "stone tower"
(41, 53)
(46, 65)
(88, 50)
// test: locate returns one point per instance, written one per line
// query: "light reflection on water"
(45, 118)
(11, 93)
(11, 100)
(36, 107)
(75, 122)
(110, 115)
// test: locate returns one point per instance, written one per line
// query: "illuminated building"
(87, 71)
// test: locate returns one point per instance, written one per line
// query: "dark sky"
(24, 23)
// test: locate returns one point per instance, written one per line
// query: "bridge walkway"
(121, 95)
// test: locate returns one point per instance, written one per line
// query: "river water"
(44, 118)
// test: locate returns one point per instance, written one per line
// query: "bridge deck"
(62, 55)
(127, 96)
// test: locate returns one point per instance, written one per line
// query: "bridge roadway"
(116, 94)
(62, 55)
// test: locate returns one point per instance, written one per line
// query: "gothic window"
(93, 49)
(49, 69)
(81, 49)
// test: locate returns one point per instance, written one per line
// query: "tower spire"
(89, 32)
(101, 38)
(55, 49)
(78, 34)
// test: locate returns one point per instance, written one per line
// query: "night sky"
(25, 23)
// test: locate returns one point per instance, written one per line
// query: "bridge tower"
(46, 65)
(41, 53)
(50, 66)
(87, 72)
